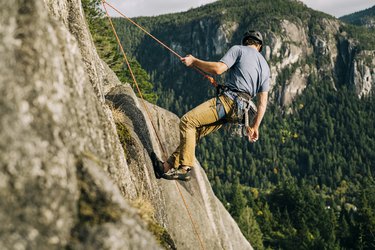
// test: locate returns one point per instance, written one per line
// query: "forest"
(361, 18)
(308, 183)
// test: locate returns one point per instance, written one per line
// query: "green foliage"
(124, 135)
(107, 48)
(250, 228)
(361, 17)
(363, 35)
(143, 80)
(94, 207)
(361, 27)
(147, 212)
(325, 141)
(360, 223)
(301, 216)
(102, 35)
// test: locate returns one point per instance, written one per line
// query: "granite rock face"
(52, 118)
(210, 220)
(66, 179)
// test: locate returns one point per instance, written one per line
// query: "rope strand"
(204, 74)
(191, 218)
(149, 116)
(135, 81)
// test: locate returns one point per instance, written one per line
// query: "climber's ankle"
(166, 166)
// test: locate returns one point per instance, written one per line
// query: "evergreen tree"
(250, 228)
(107, 48)
(238, 201)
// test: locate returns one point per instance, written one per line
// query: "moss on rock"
(147, 213)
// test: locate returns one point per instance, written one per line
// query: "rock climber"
(249, 76)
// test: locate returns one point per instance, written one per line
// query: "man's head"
(252, 37)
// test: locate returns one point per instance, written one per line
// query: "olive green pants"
(197, 123)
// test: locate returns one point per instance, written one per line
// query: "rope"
(135, 81)
(204, 74)
(191, 218)
(149, 115)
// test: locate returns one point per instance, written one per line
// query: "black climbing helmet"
(256, 35)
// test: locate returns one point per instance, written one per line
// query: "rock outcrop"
(66, 180)
(362, 74)
(338, 59)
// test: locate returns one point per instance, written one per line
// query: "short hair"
(251, 41)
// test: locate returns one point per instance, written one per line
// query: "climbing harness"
(211, 79)
(244, 110)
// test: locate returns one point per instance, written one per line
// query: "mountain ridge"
(361, 18)
(304, 36)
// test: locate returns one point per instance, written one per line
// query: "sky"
(133, 8)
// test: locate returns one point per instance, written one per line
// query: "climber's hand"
(188, 60)
(252, 134)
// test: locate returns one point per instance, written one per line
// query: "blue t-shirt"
(248, 70)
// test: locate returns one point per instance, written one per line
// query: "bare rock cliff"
(67, 172)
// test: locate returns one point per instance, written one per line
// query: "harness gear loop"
(244, 110)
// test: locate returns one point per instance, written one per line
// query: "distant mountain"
(316, 135)
(361, 18)
(300, 43)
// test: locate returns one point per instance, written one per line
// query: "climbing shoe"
(183, 173)
(159, 169)
(158, 165)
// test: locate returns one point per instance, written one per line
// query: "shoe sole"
(183, 177)
(180, 177)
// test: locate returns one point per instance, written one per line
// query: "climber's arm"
(253, 131)
(216, 68)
